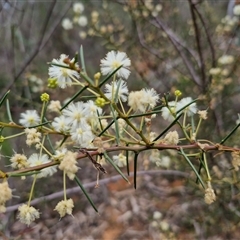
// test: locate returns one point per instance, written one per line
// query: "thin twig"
(55, 24)
(208, 38)
(160, 147)
(155, 52)
(184, 45)
(188, 64)
(197, 37)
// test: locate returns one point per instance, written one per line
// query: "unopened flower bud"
(52, 83)
(178, 93)
(45, 97)
(100, 102)
(97, 75)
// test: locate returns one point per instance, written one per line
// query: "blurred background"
(190, 45)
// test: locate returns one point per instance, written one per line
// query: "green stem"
(15, 135)
(130, 135)
(193, 168)
(198, 126)
(42, 111)
(122, 106)
(32, 188)
(230, 134)
(206, 166)
(142, 123)
(42, 144)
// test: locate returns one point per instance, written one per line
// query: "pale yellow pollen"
(116, 64)
(77, 116)
(31, 120)
(64, 72)
(80, 131)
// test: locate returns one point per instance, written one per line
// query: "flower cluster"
(225, 59)
(92, 127)
(27, 214)
(115, 60)
(69, 164)
(118, 88)
(60, 70)
(171, 138)
(227, 24)
(210, 196)
(175, 108)
(120, 160)
(54, 106)
(78, 119)
(19, 161)
(64, 207)
(6, 194)
(30, 118)
(33, 136)
(78, 19)
(236, 10)
(143, 100)
(221, 75)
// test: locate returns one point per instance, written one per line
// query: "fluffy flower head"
(210, 196)
(202, 114)
(143, 100)
(120, 160)
(67, 24)
(63, 74)
(236, 10)
(133, 99)
(92, 110)
(78, 7)
(215, 71)
(33, 136)
(172, 138)
(27, 214)
(112, 61)
(149, 97)
(170, 111)
(65, 207)
(69, 164)
(6, 194)
(59, 154)
(82, 134)
(29, 118)
(37, 159)
(191, 109)
(19, 161)
(74, 112)
(226, 59)
(119, 87)
(60, 124)
(54, 106)
(82, 21)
